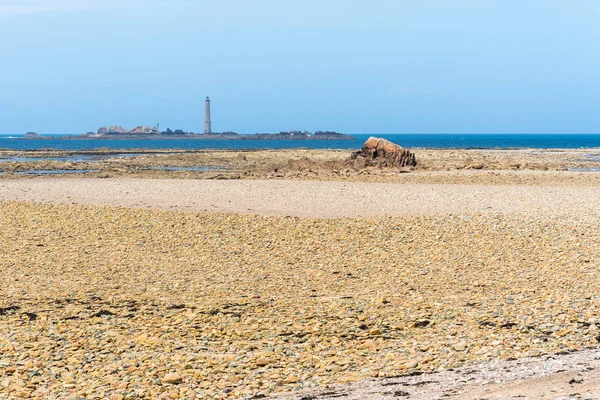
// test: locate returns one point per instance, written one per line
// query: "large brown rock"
(382, 152)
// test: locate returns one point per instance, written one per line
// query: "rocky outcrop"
(112, 129)
(143, 130)
(383, 153)
(117, 129)
(360, 162)
(32, 135)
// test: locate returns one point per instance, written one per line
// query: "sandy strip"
(317, 199)
(573, 376)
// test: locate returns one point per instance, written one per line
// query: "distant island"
(32, 135)
(147, 132)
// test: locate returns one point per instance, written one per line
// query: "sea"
(438, 140)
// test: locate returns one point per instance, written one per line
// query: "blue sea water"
(461, 141)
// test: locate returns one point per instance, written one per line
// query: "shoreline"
(271, 149)
(532, 166)
(143, 150)
(414, 141)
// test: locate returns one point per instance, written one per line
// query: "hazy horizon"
(466, 67)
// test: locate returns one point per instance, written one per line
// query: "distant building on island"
(207, 127)
(117, 131)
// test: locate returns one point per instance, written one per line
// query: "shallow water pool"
(56, 171)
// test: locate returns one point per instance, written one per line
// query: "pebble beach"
(109, 299)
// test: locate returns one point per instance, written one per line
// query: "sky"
(353, 66)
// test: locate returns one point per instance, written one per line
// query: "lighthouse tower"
(207, 128)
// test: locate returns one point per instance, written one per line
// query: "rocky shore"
(101, 301)
(434, 166)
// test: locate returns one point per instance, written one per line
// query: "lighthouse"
(207, 128)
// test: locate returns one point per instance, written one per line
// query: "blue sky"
(378, 66)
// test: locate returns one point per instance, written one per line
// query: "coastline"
(497, 167)
(191, 137)
(417, 141)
